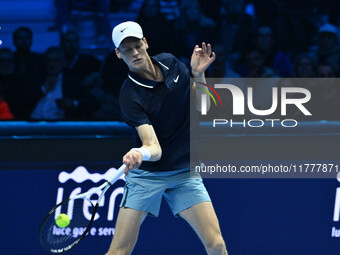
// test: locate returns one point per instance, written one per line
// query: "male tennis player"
(154, 100)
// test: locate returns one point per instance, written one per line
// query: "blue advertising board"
(257, 216)
(278, 216)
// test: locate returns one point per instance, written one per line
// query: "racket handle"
(117, 174)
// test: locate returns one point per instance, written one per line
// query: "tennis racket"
(81, 211)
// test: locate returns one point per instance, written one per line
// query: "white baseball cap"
(124, 30)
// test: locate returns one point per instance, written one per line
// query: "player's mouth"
(138, 60)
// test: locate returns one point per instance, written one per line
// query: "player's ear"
(146, 43)
(117, 53)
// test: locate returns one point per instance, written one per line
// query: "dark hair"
(25, 29)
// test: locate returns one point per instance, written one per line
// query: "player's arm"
(201, 59)
(150, 150)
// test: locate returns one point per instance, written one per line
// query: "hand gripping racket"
(81, 212)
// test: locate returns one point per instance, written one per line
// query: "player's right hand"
(132, 160)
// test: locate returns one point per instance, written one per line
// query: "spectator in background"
(95, 11)
(6, 82)
(6, 74)
(193, 27)
(15, 90)
(273, 58)
(156, 28)
(262, 88)
(120, 5)
(235, 28)
(62, 97)
(109, 105)
(135, 5)
(326, 70)
(323, 11)
(113, 74)
(170, 8)
(325, 102)
(328, 47)
(304, 67)
(254, 66)
(78, 65)
(222, 67)
(5, 113)
(27, 63)
(292, 22)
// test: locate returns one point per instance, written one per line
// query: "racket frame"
(104, 187)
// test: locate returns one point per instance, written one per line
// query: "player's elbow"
(158, 152)
(155, 151)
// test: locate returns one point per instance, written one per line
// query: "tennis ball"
(62, 220)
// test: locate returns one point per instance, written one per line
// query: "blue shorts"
(144, 190)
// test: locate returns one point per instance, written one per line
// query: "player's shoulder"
(170, 61)
(127, 87)
(165, 58)
(130, 91)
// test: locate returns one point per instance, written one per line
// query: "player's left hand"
(201, 59)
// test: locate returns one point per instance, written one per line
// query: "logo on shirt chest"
(176, 80)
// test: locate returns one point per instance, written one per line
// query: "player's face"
(133, 52)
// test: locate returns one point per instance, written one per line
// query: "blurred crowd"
(252, 39)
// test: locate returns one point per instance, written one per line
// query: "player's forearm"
(151, 149)
(155, 151)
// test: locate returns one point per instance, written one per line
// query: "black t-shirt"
(165, 106)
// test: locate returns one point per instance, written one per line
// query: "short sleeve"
(133, 112)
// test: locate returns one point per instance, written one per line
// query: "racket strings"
(54, 237)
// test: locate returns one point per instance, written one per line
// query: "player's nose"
(135, 52)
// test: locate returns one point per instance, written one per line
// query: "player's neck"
(151, 71)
